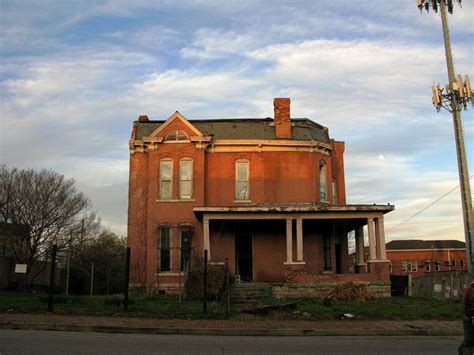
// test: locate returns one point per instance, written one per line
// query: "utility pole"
(456, 96)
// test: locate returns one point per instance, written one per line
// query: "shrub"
(194, 279)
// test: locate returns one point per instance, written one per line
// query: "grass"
(396, 308)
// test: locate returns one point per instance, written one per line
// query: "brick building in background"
(268, 194)
(421, 257)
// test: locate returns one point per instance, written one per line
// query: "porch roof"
(307, 209)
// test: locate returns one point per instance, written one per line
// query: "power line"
(425, 208)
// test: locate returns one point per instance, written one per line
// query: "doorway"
(243, 252)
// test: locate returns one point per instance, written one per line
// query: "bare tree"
(39, 209)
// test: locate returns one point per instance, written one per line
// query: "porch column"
(371, 233)
(360, 251)
(299, 239)
(380, 236)
(289, 240)
(206, 239)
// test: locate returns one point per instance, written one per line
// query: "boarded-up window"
(334, 192)
(242, 180)
(185, 178)
(322, 180)
(186, 233)
(327, 253)
(166, 179)
(165, 248)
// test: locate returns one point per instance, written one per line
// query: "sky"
(74, 75)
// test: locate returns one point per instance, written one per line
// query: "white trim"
(174, 200)
(294, 263)
(405, 250)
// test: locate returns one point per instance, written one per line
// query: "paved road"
(42, 342)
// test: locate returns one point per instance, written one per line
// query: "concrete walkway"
(255, 327)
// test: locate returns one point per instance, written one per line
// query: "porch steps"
(250, 292)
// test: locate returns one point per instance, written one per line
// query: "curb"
(227, 331)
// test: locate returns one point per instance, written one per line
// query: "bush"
(215, 279)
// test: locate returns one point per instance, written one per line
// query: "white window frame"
(181, 181)
(162, 161)
(170, 139)
(428, 266)
(415, 266)
(238, 196)
(404, 266)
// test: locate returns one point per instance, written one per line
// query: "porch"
(299, 243)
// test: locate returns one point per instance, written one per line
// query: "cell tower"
(453, 97)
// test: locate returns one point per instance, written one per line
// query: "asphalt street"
(48, 342)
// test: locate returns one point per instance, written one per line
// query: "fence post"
(92, 279)
(51, 279)
(204, 284)
(227, 286)
(127, 276)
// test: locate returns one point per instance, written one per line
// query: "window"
(177, 136)
(427, 265)
(437, 265)
(334, 192)
(186, 233)
(409, 266)
(390, 268)
(166, 179)
(185, 178)
(404, 266)
(242, 180)
(327, 253)
(462, 262)
(453, 262)
(322, 180)
(165, 248)
(415, 265)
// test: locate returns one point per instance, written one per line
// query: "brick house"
(421, 257)
(268, 194)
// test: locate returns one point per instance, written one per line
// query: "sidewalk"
(252, 327)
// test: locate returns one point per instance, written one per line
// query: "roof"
(244, 128)
(292, 208)
(425, 244)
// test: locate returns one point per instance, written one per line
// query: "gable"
(176, 122)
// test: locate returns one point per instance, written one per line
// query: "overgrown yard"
(169, 307)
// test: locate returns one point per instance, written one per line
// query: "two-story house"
(266, 193)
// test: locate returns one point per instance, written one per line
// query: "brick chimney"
(282, 118)
(143, 118)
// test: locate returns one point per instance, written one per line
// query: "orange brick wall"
(275, 177)
(443, 255)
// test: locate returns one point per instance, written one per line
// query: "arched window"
(177, 136)
(323, 181)
(185, 178)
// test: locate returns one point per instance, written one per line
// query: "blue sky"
(75, 74)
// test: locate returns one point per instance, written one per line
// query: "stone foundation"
(379, 289)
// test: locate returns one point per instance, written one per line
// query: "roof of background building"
(244, 128)
(425, 244)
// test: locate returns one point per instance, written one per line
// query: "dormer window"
(177, 136)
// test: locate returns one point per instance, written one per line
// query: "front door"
(243, 252)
